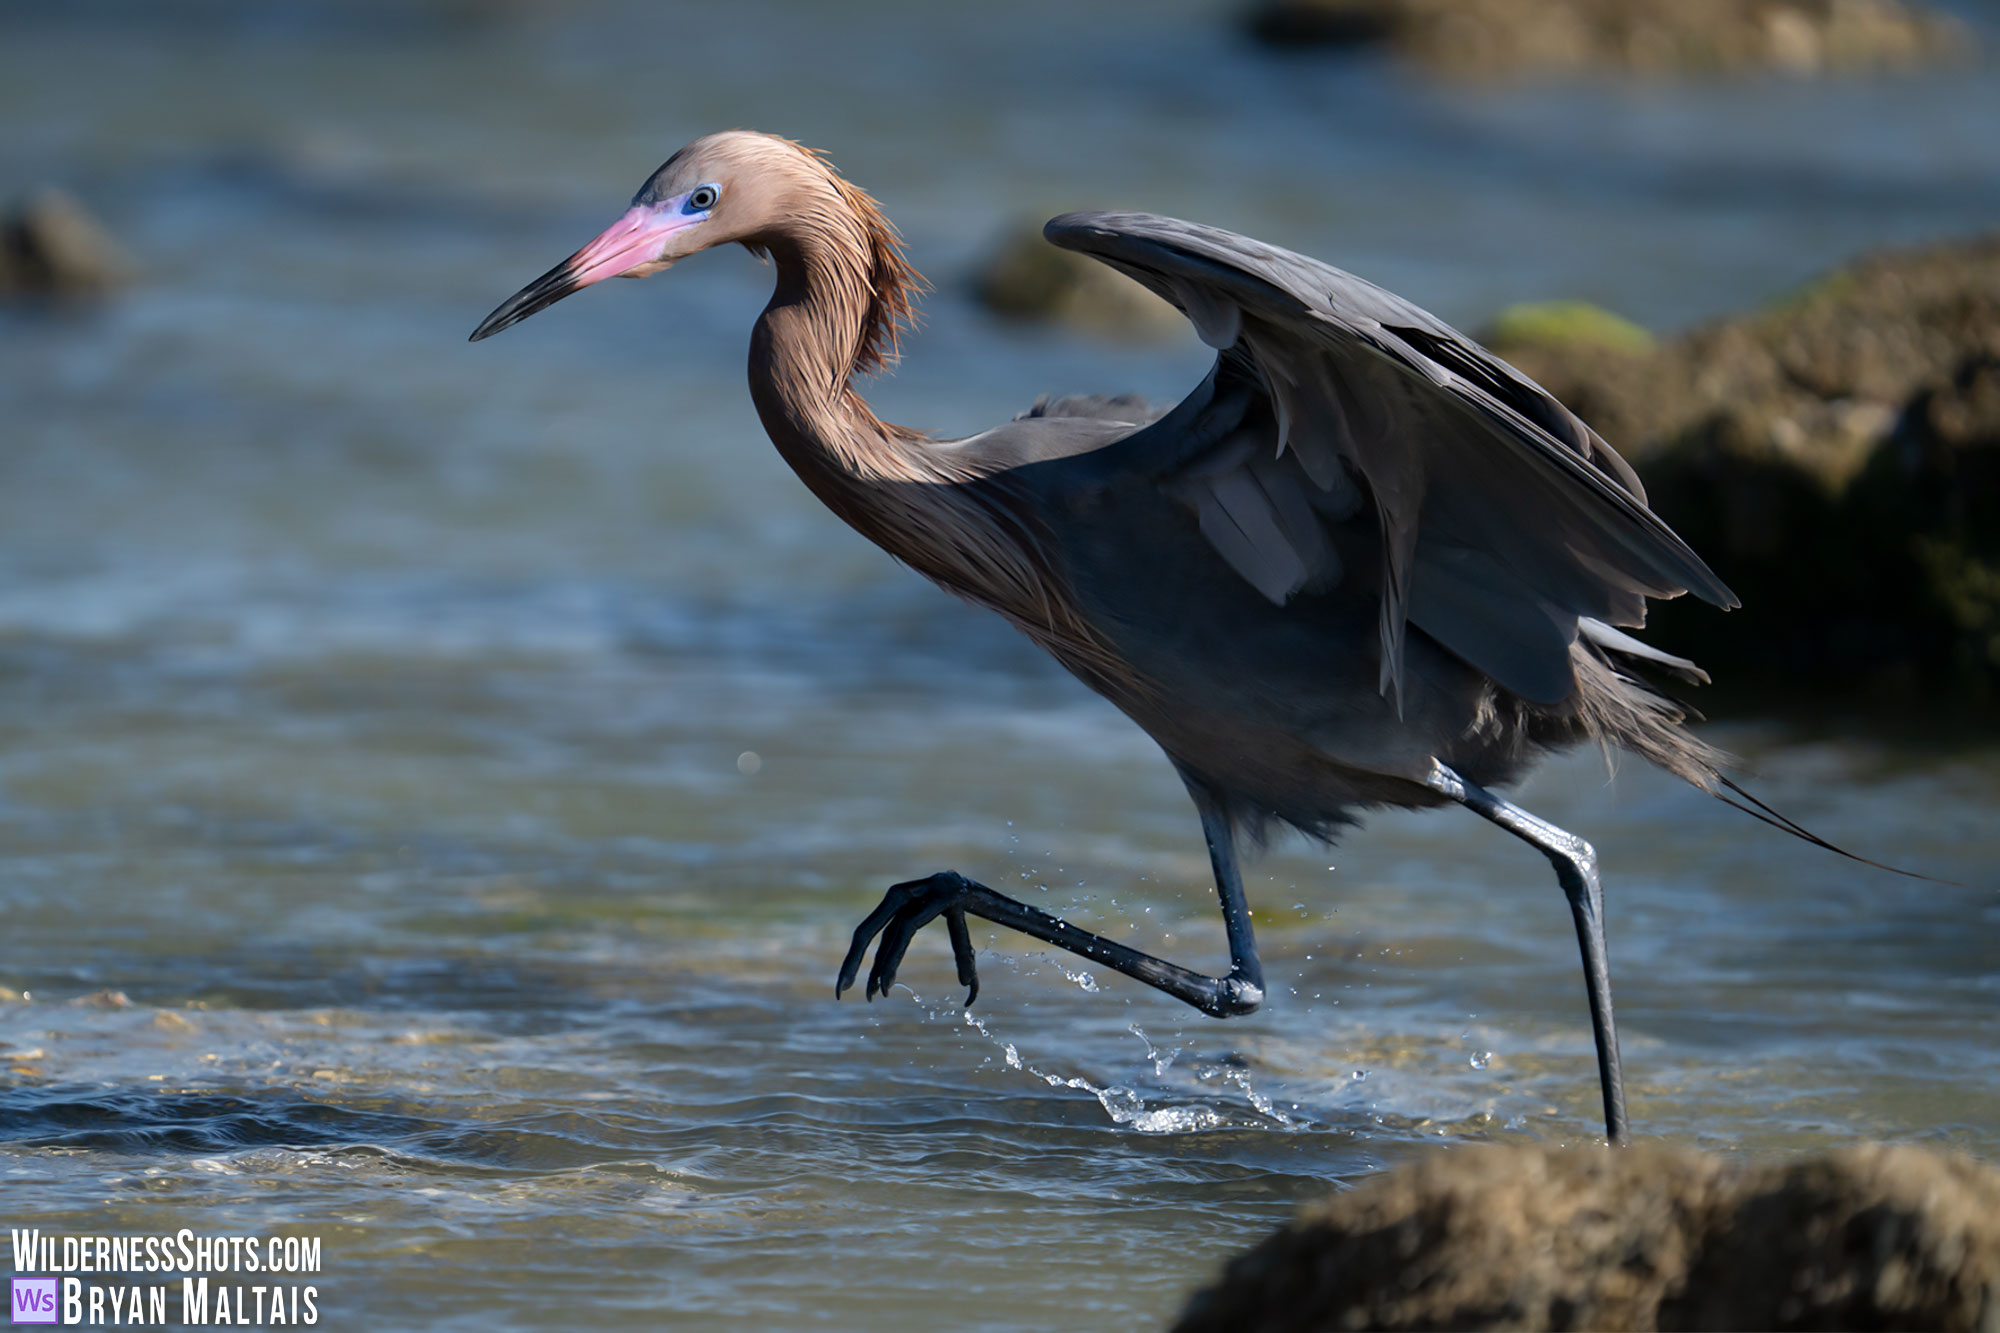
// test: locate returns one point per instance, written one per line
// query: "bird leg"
(1576, 870)
(909, 906)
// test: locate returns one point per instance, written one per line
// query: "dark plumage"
(1363, 563)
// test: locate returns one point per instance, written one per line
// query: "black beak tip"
(503, 318)
(512, 312)
(540, 294)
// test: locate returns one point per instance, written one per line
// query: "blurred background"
(437, 781)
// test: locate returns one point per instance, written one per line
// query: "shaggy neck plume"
(843, 293)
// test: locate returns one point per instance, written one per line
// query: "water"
(378, 852)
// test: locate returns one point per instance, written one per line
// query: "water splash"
(1083, 981)
(1239, 1078)
(1127, 1106)
(1162, 1060)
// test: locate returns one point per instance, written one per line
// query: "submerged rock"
(1483, 38)
(1026, 278)
(50, 245)
(1647, 1238)
(1836, 458)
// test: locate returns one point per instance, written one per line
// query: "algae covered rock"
(1568, 324)
(1489, 38)
(1836, 458)
(1598, 363)
(1647, 1238)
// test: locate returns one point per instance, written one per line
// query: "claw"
(904, 910)
(908, 907)
(892, 902)
(961, 952)
(896, 938)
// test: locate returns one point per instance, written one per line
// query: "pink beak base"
(634, 240)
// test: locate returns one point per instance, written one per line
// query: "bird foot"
(905, 909)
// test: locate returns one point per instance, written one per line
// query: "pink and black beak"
(633, 246)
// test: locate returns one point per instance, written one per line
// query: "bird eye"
(702, 199)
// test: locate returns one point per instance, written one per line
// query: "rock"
(1485, 38)
(1568, 324)
(1646, 1238)
(104, 999)
(51, 246)
(1028, 279)
(1836, 458)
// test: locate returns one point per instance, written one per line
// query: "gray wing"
(1504, 519)
(1129, 408)
(1051, 430)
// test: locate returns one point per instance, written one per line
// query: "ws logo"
(34, 1300)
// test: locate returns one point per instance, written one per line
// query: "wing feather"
(1504, 519)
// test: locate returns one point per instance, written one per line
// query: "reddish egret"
(1365, 563)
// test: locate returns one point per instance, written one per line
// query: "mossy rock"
(1567, 324)
(1835, 457)
(1649, 1237)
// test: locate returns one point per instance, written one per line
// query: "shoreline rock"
(1650, 1237)
(1836, 458)
(50, 245)
(1490, 38)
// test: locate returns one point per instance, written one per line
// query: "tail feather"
(1757, 809)
(1618, 709)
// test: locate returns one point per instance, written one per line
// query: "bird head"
(736, 186)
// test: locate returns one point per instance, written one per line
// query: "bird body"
(1364, 563)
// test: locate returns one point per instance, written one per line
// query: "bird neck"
(843, 289)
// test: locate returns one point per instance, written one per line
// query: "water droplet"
(1482, 1059)
(748, 763)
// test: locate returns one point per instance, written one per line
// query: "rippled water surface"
(437, 782)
